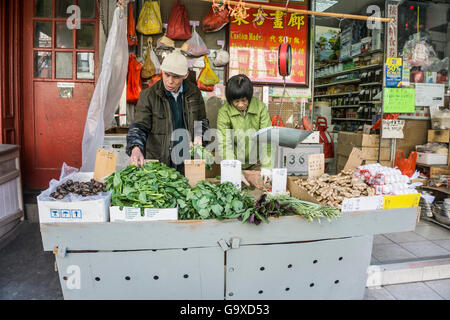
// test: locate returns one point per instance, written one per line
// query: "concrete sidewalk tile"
(400, 237)
(391, 252)
(377, 294)
(412, 291)
(443, 243)
(442, 287)
(423, 249)
(433, 232)
(381, 239)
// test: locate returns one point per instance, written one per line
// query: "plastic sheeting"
(108, 90)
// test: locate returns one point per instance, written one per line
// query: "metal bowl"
(287, 137)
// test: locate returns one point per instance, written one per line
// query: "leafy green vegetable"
(199, 152)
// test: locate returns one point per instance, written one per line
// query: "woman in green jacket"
(239, 118)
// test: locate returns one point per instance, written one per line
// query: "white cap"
(175, 63)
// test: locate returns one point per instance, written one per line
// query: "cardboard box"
(369, 153)
(362, 140)
(194, 170)
(135, 214)
(73, 212)
(439, 136)
(431, 158)
(297, 191)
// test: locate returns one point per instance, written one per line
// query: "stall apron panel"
(175, 274)
(325, 269)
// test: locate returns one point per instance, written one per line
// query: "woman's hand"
(137, 158)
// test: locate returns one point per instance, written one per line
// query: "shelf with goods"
(340, 73)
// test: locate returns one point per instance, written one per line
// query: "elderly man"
(170, 104)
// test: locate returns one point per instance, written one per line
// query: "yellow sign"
(401, 201)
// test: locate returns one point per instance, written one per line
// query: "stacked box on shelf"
(367, 143)
(441, 136)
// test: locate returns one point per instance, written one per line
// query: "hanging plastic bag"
(165, 43)
(149, 68)
(406, 165)
(195, 46)
(149, 21)
(178, 27)
(222, 58)
(134, 86)
(215, 20)
(207, 75)
(204, 87)
(154, 79)
(132, 37)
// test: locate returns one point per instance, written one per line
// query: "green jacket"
(153, 126)
(256, 118)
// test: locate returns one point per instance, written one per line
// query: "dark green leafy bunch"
(215, 201)
(199, 152)
(153, 186)
(265, 208)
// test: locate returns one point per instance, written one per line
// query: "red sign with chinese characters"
(254, 45)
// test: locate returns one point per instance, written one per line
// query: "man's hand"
(197, 140)
(137, 158)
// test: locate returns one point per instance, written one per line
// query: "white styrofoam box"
(118, 144)
(312, 138)
(9, 201)
(432, 158)
(96, 210)
(150, 214)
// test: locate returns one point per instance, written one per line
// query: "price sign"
(393, 129)
(354, 160)
(296, 160)
(401, 201)
(399, 100)
(362, 204)
(429, 94)
(231, 172)
(105, 163)
(279, 180)
(316, 165)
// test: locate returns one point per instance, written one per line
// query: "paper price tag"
(279, 180)
(429, 94)
(401, 201)
(231, 172)
(362, 204)
(105, 163)
(393, 129)
(316, 165)
(354, 160)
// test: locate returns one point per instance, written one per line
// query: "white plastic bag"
(155, 61)
(222, 58)
(108, 90)
(195, 46)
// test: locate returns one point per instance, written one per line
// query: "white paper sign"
(362, 204)
(393, 129)
(231, 172)
(279, 180)
(430, 94)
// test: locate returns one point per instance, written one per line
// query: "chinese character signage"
(254, 44)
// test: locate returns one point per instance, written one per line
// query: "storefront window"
(43, 64)
(42, 34)
(64, 36)
(61, 8)
(85, 65)
(87, 9)
(44, 8)
(64, 65)
(85, 36)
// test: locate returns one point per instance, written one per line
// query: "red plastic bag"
(325, 137)
(155, 79)
(277, 121)
(215, 20)
(178, 27)
(134, 83)
(406, 165)
(132, 37)
(204, 87)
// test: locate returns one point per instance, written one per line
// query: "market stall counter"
(287, 258)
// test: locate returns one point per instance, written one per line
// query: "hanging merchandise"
(215, 20)
(325, 137)
(284, 59)
(195, 46)
(222, 58)
(207, 75)
(149, 21)
(406, 165)
(154, 79)
(178, 27)
(204, 87)
(134, 84)
(165, 43)
(132, 37)
(151, 65)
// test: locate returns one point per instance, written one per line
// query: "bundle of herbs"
(153, 186)
(199, 152)
(215, 201)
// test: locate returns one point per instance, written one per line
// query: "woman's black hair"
(238, 87)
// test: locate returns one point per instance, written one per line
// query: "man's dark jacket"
(153, 125)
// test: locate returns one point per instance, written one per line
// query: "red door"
(60, 71)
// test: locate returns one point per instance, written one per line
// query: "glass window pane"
(85, 37)
(44, 8)
(42, 34)
(64, 65)
(87, 9)
(61, 8)
(85, 65)
(64, 36)
(42, 64)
